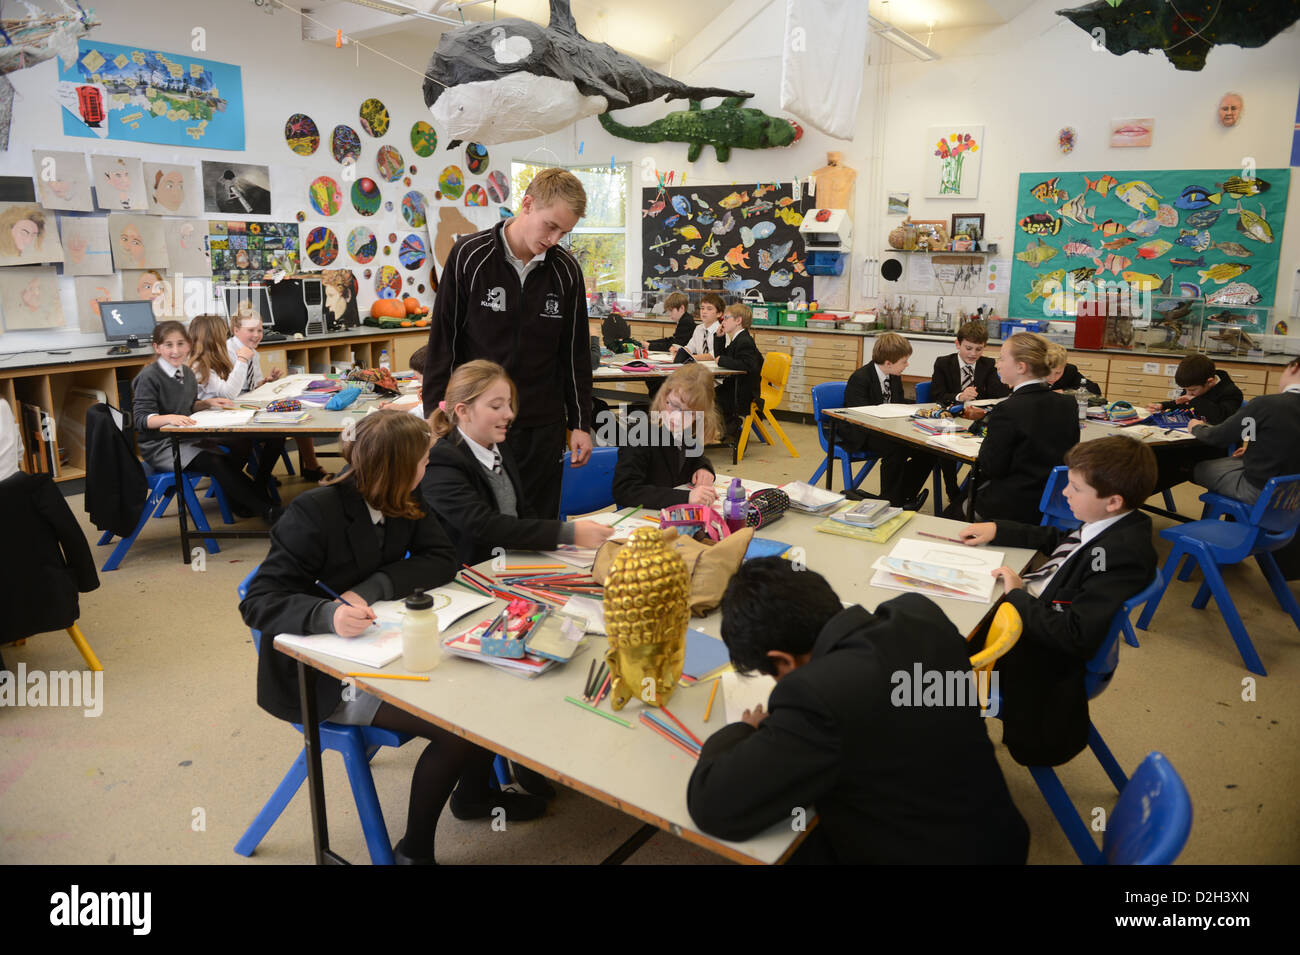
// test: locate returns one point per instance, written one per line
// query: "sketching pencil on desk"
(712, 693)
(664, 710)
(591, 670)
(604, 688)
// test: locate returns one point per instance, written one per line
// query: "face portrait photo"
(137, 241)
(187, 252)
(29, 299)
(1230, 109)
(152, 285)
(62, 181)
(27, 235)
(119, 182)
(173, 190)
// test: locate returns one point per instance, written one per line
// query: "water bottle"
(421, 637)
(383, 359)
(1081, 397)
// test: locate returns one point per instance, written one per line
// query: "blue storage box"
(826, 263)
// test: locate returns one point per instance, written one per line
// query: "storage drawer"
(1089, 363)
(831, 364)
(1256, 376)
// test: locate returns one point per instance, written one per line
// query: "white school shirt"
(1031, 381)
(218, 387)
(232, 348)
(520, 266)
(701, 342)
(11, 442)
(1086, 533)
(485, 456)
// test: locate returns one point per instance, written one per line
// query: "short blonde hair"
(558, 185)
(742, 312)
(1032, 350)
(890, 347)
(1056, 355)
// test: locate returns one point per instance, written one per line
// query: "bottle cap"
(419, 600)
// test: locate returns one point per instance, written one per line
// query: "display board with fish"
(1187, 231)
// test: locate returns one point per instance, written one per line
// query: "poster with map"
(146, 96)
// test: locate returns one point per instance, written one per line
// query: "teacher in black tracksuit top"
(512, 295)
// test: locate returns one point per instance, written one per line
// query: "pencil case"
(342, 399)
(502, 646)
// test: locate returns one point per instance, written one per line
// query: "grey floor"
(181, 758)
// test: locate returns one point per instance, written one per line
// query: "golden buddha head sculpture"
(646, 613)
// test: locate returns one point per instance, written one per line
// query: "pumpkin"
(412, 305)
(387, 308)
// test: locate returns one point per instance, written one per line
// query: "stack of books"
(811, 500)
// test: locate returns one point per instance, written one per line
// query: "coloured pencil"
(391, 676)
(591, 709)
(604, 688)
(591, 671)
(535, 567)
(654, 727)
(940, 537)
(669, 729)
(595, 682)
(712, 693)
(664, 710)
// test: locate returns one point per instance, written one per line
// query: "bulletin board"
(746, 236)
(1070, 226)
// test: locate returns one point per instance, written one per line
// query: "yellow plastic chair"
(1003, 634)
(91, 660)
(776, 372)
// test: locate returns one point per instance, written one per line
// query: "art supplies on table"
(744, 692)
(619, 520)
(508, 633)
(869, 513)
(289, 386)
(811, 500)
(723, 481)
(588, 611)
(939, 425)
(221, 418)
(556, 637)
(469, 645)
(705, 655)
(581, 557)
(962, 442)
(872, 535)
(939, 570)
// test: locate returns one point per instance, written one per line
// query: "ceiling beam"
(711, 38)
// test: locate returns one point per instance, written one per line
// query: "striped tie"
(1059, 556)
(179, 377)
(967, 376)
(885, 388)
(248, 382)
(496, 462)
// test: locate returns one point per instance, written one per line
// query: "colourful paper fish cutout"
(1040, 223)
(1194, 240)
(1047, 191)
(1252, 226)
(762, 230)
(1202, 218)
(1153, 249)
(1112, 263)
(1235, 249)
(1118, 243)
(738, 257)
(724, 225)
(1187, 263)
(716, 270)
(1236, 186)
(1238, 293)
(653, 209)
(1036, 253)
(780, 278)
(1102, 185)
(1108, 228)
(1167, 216)
(734, 200)
(1197, 197)
(1080, 247)
(688, 231)
(1075, 210)
(1223, 271)
(790, 217)
(1045, 285)
(1138, 195)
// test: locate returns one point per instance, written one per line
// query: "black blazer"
(1071, 379)
(945, 380)
(680, 336)
(1027, 435)
(327, 534)
(456, 488)
(1215, 406)
(863, 388)
(46, 561)
(739, 391)
(648, 476)
(1044, 704)
(891, 783)
(116, 487)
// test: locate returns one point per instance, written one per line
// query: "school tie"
(1043, 575)
(967, 376)
(496, 462)
(248, 382)
(885, 388)
(179, 377)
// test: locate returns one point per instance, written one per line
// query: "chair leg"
(937, 479)
(87, 654)
(200, 521)
(744, 438)
(817, 475)
(214, 490)
(368, 808)
(757, 428)
(1169, 501)
(107, 537)
(1149, 611)
(1130, 637)
(501, 771)
(780, 433)
(156, 501)
(1106, 758)
(1273, 574)
(1185, 572)
(862, 472)
(270, 812)
(1228, 611)
(1066, 815)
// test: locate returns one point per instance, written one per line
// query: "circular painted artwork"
(406, 181)
(367, 273)
(476, 157)
(412, 252)
(374, 117)
(424, 139)
(505, 212)
(325, 196)
(452, 182)
(388, 282)
(322, 246)
(365, 196)
(301, 134)
(413, 209)
(362, 245)
(345, 143)
(389, 161)
(498, 186)
(476, 196)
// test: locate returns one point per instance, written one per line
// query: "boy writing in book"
(1208, 393)
(1068, 602)
(891, 783)
(964, 376)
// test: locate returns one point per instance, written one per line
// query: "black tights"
(245, 498)
(447, 759)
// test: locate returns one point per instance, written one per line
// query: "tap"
(938, 310)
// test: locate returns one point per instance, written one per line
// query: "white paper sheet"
(290, 386)
(971, 568)
(585, 608)
(960, 443)
(222, 417)
(884, 411)
(740, 693)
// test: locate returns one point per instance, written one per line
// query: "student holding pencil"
(472, 483)
(365, 536)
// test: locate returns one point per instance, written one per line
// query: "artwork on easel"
(172, 190)
(952, 162)
(27, 235)
(137, 241)
(61, 180)
(119, 183)
(29, 299)
(90, 291)
(86, 248)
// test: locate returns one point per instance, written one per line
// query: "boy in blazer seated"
(892, 781)
(736, 350)
(676, 310)
(903, 468)
(1208, 393)
(701, 344)
(1062, 375)
(1068, 602)
(965, 376)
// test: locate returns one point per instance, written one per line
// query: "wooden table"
(633, 770)
(610, 370)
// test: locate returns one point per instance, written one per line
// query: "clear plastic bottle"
(421, 636)
(1081, 397)
(383, 359)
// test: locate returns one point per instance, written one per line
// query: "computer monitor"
(127, 321)
(241, 299)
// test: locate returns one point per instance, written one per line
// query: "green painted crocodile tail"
(642, 134)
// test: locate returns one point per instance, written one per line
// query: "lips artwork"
(1131, 132)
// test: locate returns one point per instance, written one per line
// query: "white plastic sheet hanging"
(822, 59)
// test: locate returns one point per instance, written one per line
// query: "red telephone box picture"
(91, 104)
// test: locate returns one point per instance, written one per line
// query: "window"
(599, 242)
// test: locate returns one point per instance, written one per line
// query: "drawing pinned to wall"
(452, 224)
(413, 209)
(365, 196)
(152, 97)
(1131, 132)
(388, 282)
(898, 203)
(119, 182)
(186, 241)
(475, 195)
(362, 245)
(301, 134)
(451, 182)
(374, 117)
(498, 186)
(29, 299)
(173, 190)
(151, 285)
(28, 235)
(389, 162)
(412, 252)
(85, 245)
(90, 291)
(345, 144)
(1231, 109)
(476, 157)
(236, 188)
(424, 139)
(61, 180)
(1066, 138)
(324, 196)
(321, 245)
(952, 162)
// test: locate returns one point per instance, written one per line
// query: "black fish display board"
(747, 236)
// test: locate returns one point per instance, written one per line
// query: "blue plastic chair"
(1152, 820)
(830, 394)
(358, 745)
(1055, 509)
(162, 488)
(590, 487)
(1270, 525)
(1100, 669)
(923, 391)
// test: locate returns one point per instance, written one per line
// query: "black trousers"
(539, 452)
(245, 498)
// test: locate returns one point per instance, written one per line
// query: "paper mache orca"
(511, 79)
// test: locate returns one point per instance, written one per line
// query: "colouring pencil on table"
(666, 735)
(664, 710)
(591, 709)
(604, 688)
(591, 670)
(392, 676)
(676, 734)
(712, 693)
(940, 537)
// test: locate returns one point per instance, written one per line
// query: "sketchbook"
(222, 417)
(882, 411)
(939, 570)
(740, 693)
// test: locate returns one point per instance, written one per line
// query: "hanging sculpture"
(32, 39)
(723, 126)
(511, 79)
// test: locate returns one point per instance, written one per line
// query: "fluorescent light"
(901, 39)
(402, 10)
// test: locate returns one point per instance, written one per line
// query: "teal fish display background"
(1169, 185)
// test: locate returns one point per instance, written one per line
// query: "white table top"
(633, 770)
